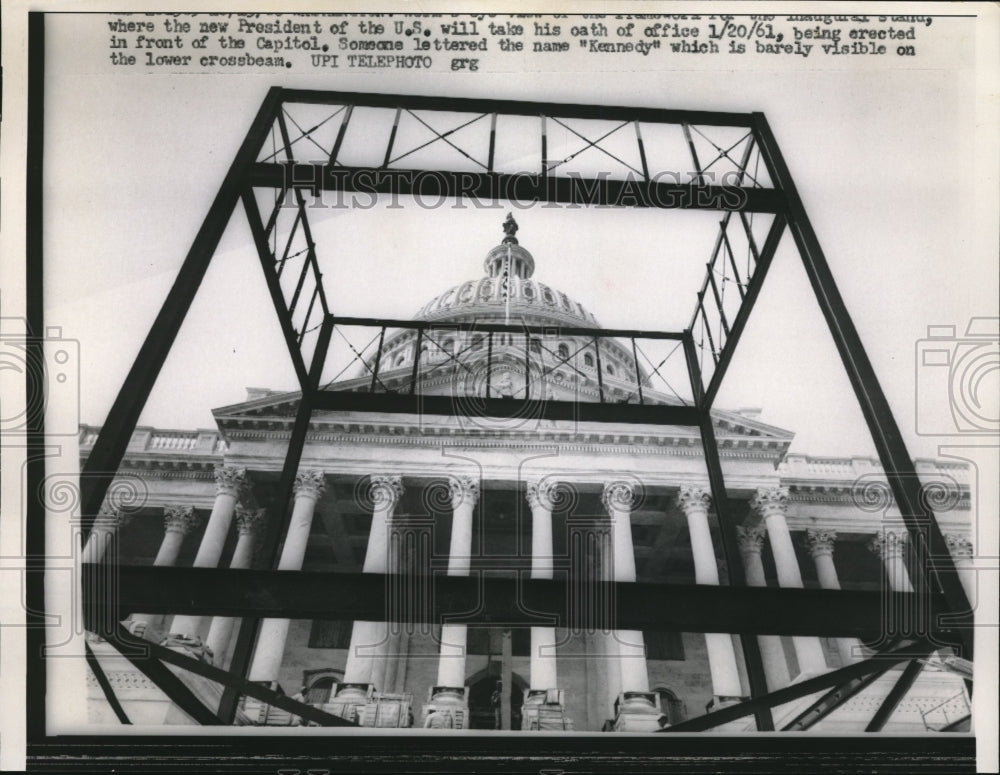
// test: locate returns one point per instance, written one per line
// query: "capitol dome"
(507, 291)
(464, 361)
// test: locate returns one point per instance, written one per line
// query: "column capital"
(464, 490)
(180, 519)
(618, 495)
(541, 493)
(751, 538)
(385, 490)
(959, 546)
(309, 484)
(249, 520)
(112, 518)
(694, 499)
(820, 541)
(888, 544)
(770, 501)
(230, 480)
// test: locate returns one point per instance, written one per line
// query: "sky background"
(885, 160)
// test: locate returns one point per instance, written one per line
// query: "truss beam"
(519, 108)
(434, 185)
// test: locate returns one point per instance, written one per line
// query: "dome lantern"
(509, 255)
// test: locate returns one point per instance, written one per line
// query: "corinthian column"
(103, 535)
(309, 486)
(248, 522)
(448, 706)
(771, 503)
(464, 494)
(177, 522)
(104, 531)
(230, 483)
(772, 653)
(636, 704)
(694, 502)
(890, 546)
(367, 655)
(542, 671)
(820, 544)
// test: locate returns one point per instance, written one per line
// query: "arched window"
(536, 347)
(588, 360)
(399, 359)
(610, 370)
(563, 351)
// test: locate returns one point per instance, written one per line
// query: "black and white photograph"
(584, 388)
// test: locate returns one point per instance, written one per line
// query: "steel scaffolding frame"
(725, 609)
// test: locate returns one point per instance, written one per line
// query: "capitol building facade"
(418, 496)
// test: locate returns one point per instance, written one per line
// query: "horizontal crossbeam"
(504, 408)
(517, 108)
(500, 328)
(484, 599)
(666, 192)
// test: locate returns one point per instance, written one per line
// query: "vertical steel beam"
(727, 529)
(378, 360)
(493, 142)
(642, 150)
(921, 523)
(416, 361)
(489, 365)
(527, 365)
(392, 139)
(638, 376)
(104, 459)
(600, 376)
(278, 516)
(340, 136)
(694, 153)
(37, 625)
(545, 148)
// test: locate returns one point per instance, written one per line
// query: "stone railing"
(798, 466)
(145, 439)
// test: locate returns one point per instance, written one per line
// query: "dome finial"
(509, 230)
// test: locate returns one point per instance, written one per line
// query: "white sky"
(885, 162)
